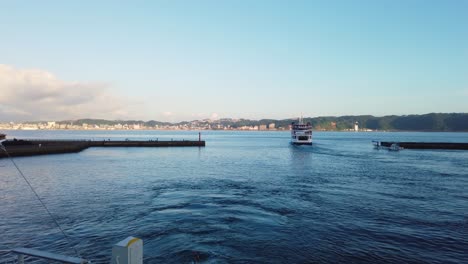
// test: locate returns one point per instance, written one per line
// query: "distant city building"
(356, 126)
(263, 127)
(50, 124)
(271, 126)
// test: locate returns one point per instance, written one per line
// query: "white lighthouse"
(356, 126)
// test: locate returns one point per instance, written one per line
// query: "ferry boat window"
(303, 137)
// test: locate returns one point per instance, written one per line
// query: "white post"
(128, 251)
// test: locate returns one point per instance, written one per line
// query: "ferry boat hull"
(301, 143)
(301, 134)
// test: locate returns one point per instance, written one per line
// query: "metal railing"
(127, 251)
(23, 253)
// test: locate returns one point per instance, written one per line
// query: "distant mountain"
(429, 122)
(101, 122)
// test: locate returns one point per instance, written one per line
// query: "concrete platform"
(427, 145)
(44, 147)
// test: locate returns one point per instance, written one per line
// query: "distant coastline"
(433, 122)
(197, 130)
(239, 130)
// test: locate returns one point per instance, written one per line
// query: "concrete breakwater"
(43, 147)
(427, 145)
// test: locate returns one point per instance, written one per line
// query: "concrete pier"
(44, 147)
(427, 145)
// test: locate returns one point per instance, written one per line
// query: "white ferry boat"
(301, 134)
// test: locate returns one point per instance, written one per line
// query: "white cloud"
(31, 94)
(214, 116)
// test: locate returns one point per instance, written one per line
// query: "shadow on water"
(301, 152)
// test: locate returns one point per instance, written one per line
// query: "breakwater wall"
(18, 148)
(427, 145)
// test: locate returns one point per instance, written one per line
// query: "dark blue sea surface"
(247, 197)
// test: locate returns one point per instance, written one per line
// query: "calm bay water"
(247, 197)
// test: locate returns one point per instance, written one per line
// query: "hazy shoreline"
(236, 130)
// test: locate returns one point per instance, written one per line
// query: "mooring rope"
(39, 198)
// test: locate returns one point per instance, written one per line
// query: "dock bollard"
(128, 251)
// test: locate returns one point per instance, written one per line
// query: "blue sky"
(183, 60)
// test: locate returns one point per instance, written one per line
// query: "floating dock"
(44, 147)
(423, 145)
